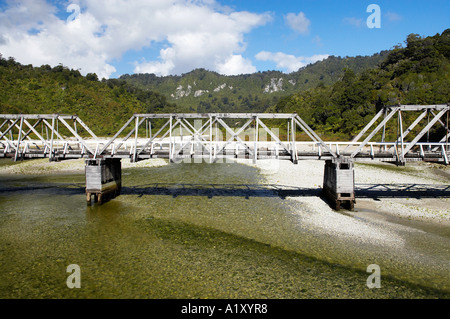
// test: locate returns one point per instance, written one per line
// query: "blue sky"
(166, 37)
(339, 27)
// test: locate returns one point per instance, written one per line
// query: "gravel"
(76, 166)
(375, 221)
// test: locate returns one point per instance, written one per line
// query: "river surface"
(177, 231)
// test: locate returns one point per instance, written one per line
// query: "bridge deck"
(232, 151)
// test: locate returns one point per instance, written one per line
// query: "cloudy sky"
(114, 37)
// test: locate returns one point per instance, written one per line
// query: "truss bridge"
(396, 134)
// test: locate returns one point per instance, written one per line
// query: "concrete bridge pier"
(103, 179)
(339, 183)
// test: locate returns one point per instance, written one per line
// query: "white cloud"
(53, 40)
(317, 40)
(298, 22)
(392, 16)
(288, 62)
(198, 33)
(353, 22)
(211, 40)
(156, 67)
(236, 64)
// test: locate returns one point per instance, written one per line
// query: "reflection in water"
(179, 231)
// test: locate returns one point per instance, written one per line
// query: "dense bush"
(416, 74)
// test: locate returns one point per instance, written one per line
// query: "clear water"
(178, 231)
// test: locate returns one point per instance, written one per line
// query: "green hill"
(104, 106)
(206, 91)
(416, 74)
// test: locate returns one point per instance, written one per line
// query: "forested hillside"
(418, 73)
(102, 105)
(205, 91)
(337, 96)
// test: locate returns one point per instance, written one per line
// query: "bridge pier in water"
(339, 183)
(103, 179)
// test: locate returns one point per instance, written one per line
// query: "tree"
(92, 77)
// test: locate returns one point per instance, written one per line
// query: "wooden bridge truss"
(219, 136)
(38, 135)
(209, 136)
(406, 146)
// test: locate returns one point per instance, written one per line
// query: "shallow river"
(178, 231)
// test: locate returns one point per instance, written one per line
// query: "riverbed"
(224, 230)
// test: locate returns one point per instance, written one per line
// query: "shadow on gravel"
(241, 190)
(417, 191)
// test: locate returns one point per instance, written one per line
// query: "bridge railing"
(212, 134)
(43, 135)
(219, 135)
(423, 118)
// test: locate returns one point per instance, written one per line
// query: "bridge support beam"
(339, 183)
(103, 179)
